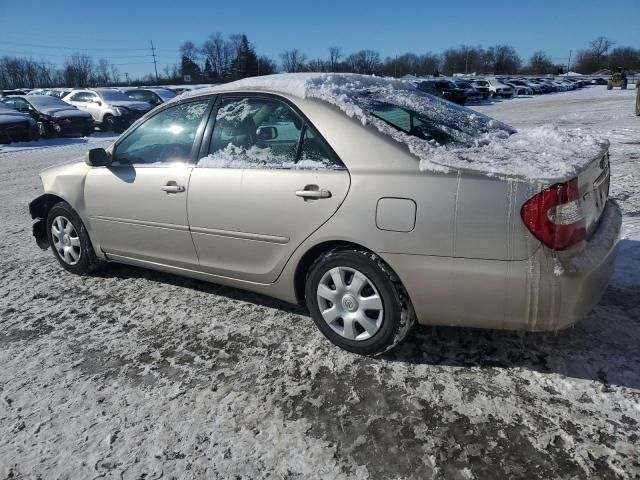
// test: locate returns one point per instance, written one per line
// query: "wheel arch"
(39, 209)
(313, 253)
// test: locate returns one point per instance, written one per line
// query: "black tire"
(87, 261)
(108, 123)
(398, 316)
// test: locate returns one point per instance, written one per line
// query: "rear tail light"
(555, 216)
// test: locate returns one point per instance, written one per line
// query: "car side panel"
(246, 223)
(132, 216)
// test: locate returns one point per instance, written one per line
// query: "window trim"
(207, 135)
(193, 157)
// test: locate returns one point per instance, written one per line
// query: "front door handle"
(172, 187)
(313, 194)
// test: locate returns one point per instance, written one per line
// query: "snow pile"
(465, 140)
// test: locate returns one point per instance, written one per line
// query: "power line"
(67, 55)
(71, 48)
(155, 64)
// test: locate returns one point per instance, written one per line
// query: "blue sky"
(120, 31)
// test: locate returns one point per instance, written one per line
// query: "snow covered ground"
(137, 374)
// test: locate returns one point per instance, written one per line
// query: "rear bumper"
(586, 275)
(542, 293)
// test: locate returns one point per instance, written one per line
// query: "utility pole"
(155, 64)
(569, 63)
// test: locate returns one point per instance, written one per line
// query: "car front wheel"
(357, 302)
(69, 240)
(108, 123)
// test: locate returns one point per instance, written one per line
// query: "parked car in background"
(520, 83)
(337, 213)
(520, 89)
(484, 89)
(111, 109)
(16, 126)
(473, 93)
(6, 93)
(599, 81)
(153, 96)
(499, 89)
(443, 88)
(53, 116)
(547, 85)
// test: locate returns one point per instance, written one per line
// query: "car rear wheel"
(357, 302)
(69, 240)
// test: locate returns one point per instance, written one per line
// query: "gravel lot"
(137, 374)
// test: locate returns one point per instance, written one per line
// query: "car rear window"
(113, 96)
(429, 118)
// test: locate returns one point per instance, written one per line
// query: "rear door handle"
(313, 194)
(172, 188)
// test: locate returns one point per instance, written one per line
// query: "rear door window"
(257, 132)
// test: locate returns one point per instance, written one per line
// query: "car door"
(138, 205)
(94, 105)
(78, 99)
(265, 181)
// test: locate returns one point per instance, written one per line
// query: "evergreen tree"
(189, 67)
(245, 64)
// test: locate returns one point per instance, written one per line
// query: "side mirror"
(97, 102)
(98, 157)
(267, 133)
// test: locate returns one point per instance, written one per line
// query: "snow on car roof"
(545, 154)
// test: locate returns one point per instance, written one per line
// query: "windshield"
(113, 96)
(426, 117)
(45, 102)
(165, 94)
(484, 83)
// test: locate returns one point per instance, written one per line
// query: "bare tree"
(293, 60)
(539, 64)
(335, 54)
(78, 70)
(115, 74)
(213, 50)
(365, 61)
(600, 46)
(189, 50)
(505, 59)
(102, 72)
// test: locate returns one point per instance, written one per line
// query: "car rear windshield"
(429, 118)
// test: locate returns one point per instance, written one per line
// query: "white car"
(111, 109)
(496, 87)
(500, 89)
